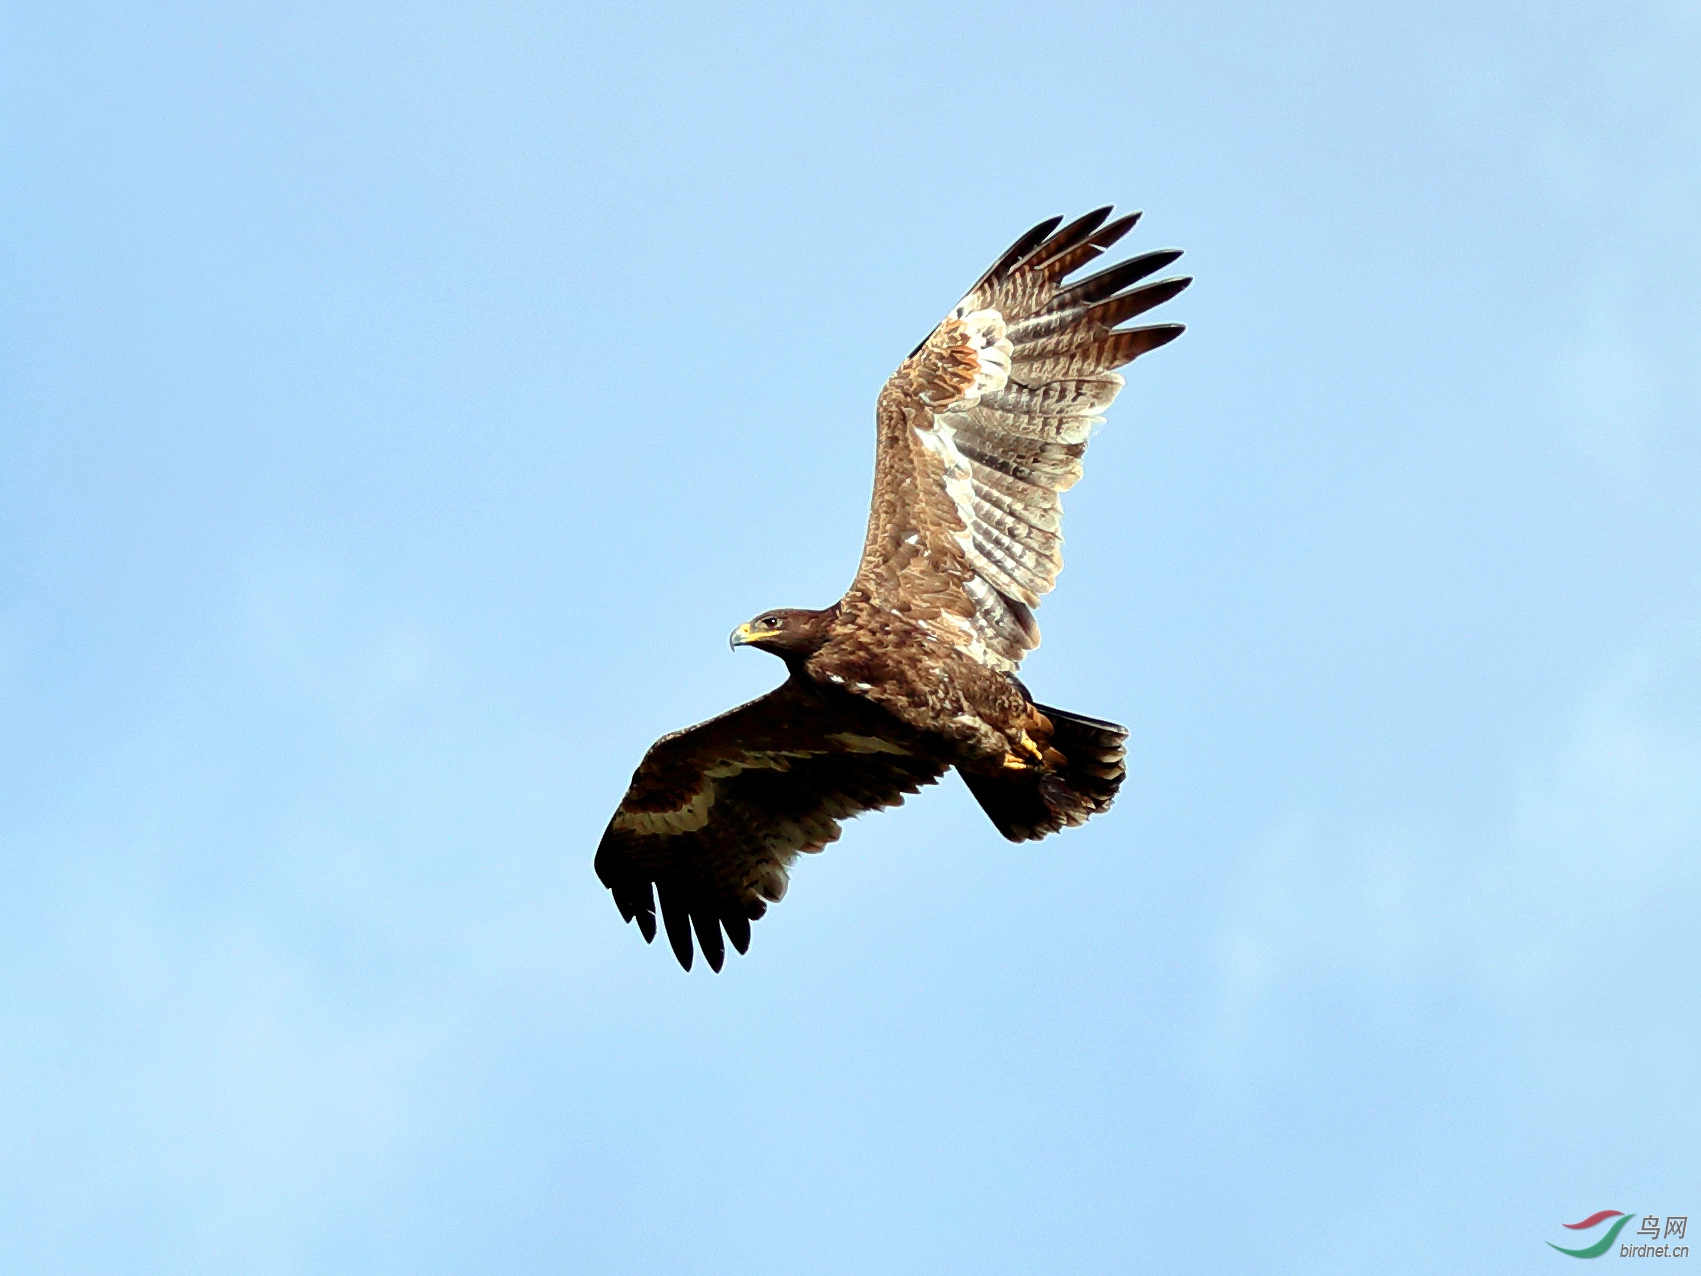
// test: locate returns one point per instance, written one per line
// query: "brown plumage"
(912, 672)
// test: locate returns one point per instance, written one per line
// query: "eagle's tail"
(1030, 804)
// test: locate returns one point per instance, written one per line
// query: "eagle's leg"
(1025, 755)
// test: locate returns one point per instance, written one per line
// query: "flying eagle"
(913, 671)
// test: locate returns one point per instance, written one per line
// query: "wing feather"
(716, 814)
(1105, 283)
(1077, 351)
(986, 422)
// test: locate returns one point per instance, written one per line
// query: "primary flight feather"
(912, 672)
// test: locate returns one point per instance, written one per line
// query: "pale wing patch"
(717, 812)
(990, 553)
(1010, 542)
(757, 760)
(966, 358)
(686, 819)
(985, 332)
(867, 743)
(695, 813)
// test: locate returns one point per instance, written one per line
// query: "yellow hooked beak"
(744, 635)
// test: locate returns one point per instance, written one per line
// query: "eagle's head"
(786, 631)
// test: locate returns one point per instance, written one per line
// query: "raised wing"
(716, 813)
(985, 424)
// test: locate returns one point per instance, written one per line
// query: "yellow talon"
(1025, 756)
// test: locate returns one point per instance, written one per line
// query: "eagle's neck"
(806, 632)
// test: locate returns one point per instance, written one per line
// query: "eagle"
(913, 671)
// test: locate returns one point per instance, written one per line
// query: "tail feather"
(1031, 804)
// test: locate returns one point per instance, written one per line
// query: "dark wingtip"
(1035, 237)
(1016, 252)
(1113, 279)
(738, 930)
(708, 928)
(1125, 305)
(637, 902)
(1108, 234)
(1081, 230)
(676, 917)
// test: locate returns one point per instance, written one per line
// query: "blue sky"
(398, 405)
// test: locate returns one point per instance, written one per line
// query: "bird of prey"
(913, 671)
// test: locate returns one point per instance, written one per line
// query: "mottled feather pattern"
(911, 673)
(971, 466)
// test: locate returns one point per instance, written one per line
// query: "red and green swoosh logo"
(1595, 1220)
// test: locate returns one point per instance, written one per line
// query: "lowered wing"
(716, 813)
(984, 425)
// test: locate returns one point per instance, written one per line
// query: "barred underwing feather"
(1008, 619)
(1023, 247)
(1035, 569)
(1067, 396)
(1111, 350)
(1011, 572)
(1137, 301)
(1004, 414)
(994, 574)
(991, 449)
(1112, 279)
(979, 431)
(966, 486)
(1037, 507)
(1045, 259)
(1035, 546)
(1068, 263)
(1073, 329)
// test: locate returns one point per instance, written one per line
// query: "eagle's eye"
(772, 622)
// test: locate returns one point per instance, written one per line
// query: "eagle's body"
(968, 713)
(912, 672)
